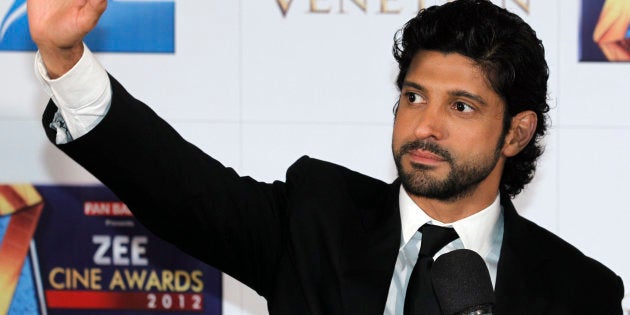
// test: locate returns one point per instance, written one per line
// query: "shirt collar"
(476, 231)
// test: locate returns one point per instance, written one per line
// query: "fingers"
(58, 28)
(93, 11)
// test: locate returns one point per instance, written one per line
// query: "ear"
(521, 131)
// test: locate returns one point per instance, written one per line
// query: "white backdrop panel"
(21, 98)
(270, 149)
(539, 200)
(200, 82)
(28, 157)
(257, 89)
(333, 66)
(591, 93)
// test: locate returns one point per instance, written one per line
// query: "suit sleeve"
(233, 223)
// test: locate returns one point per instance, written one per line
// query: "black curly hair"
(506, 49)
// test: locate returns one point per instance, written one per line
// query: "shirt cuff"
(82, 95)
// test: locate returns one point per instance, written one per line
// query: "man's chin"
(422, 179)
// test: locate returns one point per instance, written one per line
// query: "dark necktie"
(420, 299)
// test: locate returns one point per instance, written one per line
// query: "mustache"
(426, 146)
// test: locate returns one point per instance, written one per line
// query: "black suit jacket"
(324, 241)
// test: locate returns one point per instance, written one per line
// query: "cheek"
(402, 127)
(399, 135)
(473, 139)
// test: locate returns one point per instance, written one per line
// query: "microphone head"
(461, 282)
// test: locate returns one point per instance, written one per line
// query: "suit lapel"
(371, 252)
(520, 281)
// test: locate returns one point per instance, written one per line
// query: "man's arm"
(182, 195)
(233, 223)
(71, 76)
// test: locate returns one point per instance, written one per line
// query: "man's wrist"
(59, 61)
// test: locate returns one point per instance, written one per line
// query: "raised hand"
(58, 28)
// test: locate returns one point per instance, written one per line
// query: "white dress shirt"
(481, 232)
(83, 96)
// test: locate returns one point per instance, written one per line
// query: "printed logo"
(379, 6)
(605, 30)
(126, 26)
(14, 33)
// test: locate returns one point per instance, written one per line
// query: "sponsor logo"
(380, 6)
(126, 26)
(11, 12)
(605, 31)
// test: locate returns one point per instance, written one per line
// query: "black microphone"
(462, 284)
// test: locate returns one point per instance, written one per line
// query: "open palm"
(58, 28)
(62, 24)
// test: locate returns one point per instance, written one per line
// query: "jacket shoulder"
(312, 171)
(569, 273)
(555, 248)
(331, 192)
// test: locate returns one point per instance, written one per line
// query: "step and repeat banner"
(70, 248)
(257, 84)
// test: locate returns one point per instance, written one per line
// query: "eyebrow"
(414, 85)
(457, 93)
(466, 94)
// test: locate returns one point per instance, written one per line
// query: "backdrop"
(257, 84)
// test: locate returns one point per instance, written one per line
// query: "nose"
(430, 123)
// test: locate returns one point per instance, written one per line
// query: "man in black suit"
(471, 113)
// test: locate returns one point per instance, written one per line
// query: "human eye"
(463, 107)
(414, 98)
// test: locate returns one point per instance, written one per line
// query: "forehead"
(444, 72)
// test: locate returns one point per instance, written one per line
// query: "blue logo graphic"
(126, 26)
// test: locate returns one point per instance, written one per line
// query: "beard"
(461, 180)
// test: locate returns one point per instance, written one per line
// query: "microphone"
(462, 284)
